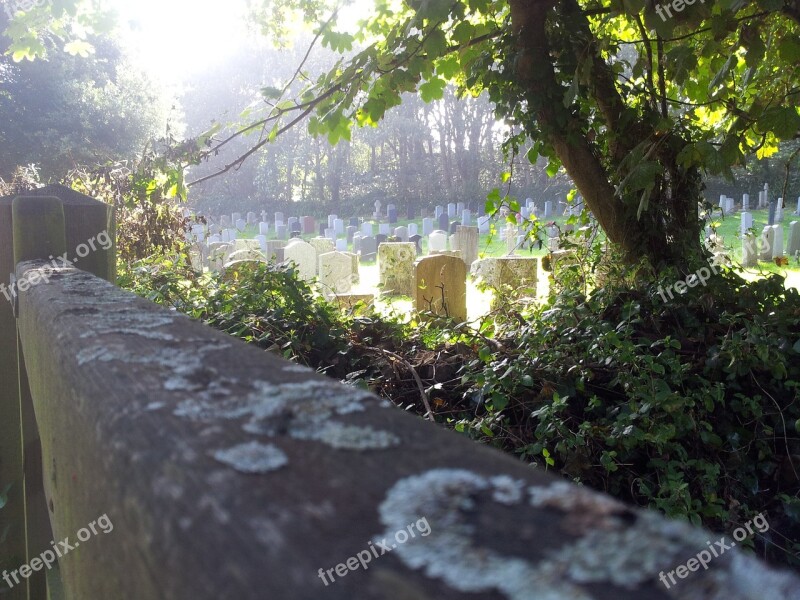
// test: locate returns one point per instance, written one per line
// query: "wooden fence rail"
(179, 462)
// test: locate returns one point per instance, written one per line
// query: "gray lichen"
(253, 457)
(615, 545)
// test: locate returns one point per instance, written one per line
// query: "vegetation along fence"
(162, 459)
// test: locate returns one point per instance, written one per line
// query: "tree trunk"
(667, 231)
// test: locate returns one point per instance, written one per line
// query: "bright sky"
(174, 38)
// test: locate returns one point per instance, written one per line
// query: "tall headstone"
(304, 256)
(747, 223)
(330, 233)
(484, 224)
(392, 216)
(351, 232)
(793, 243)
(262, 242)
(341, 245)
(357, 243)
(772, 209)
(381, 239)
(746, 202)
(354, 222)
(779, 211)
(251, 218)
(427, 226)
(331, 219)
(309, 225)
(444, 222)
(413, 229)
(369, 249)
(466, 217)
(263, 228)
(438, 212)
(385, 229)
(241, 224)
(401, 233)
(466, 240)
(766, 242)
(367, 229)
(451, 211)
(441, 286)
(279, 218)
(548, 209)
(417, 241)
(377, 214)
(749, 250)
(396, 267)
(338, 226)
(454, 226)
(777, 241)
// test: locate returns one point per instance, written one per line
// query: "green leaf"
(784, 122)
(79, 48)
(433, 89)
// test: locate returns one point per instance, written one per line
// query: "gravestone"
(779, 211)
(749, 250)
(441, 286)
(377, 213)
(262, 242)
(281, 231)
(444, 222)
(454, 227)
(308, 225)
(417, 241)
(413, 229)
(385, 229)
(338, 226)
(437, 242)
(241, 224)
(766, 243)
(369, 249)
(356, 276)
(354, 222)
(484, 224)
(246, 254)
(401, 233)
(771, 217)
(322, 245)
(367, 229)
(341, 245)
(263, 228)
(797, 210)
(224, 221)
(514, 275)
(396, 268)
(777, 241)
(279, 218)
(427, 226)
(548, 209)
(466, 241)
(381, 239)
(335, 273)
(251, 218)
(274, 251)
(264, 215)
(746, 202)
(304, 256)
(236, 217)
(330, 233)
(466, 217)
(293, 224)
(351, 231)
(389, 208)
(392, 216)
(322, 228)
(451, 211)
(331, 220)
(212, 239)
(793, 243)
(438, 212)
(410, 213)
(747, 223)
(357, 243)
(460, 208)
(217, 252)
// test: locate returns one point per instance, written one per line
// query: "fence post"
(39, 233)
(77, 229)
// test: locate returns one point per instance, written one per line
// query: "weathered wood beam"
(230, 473)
